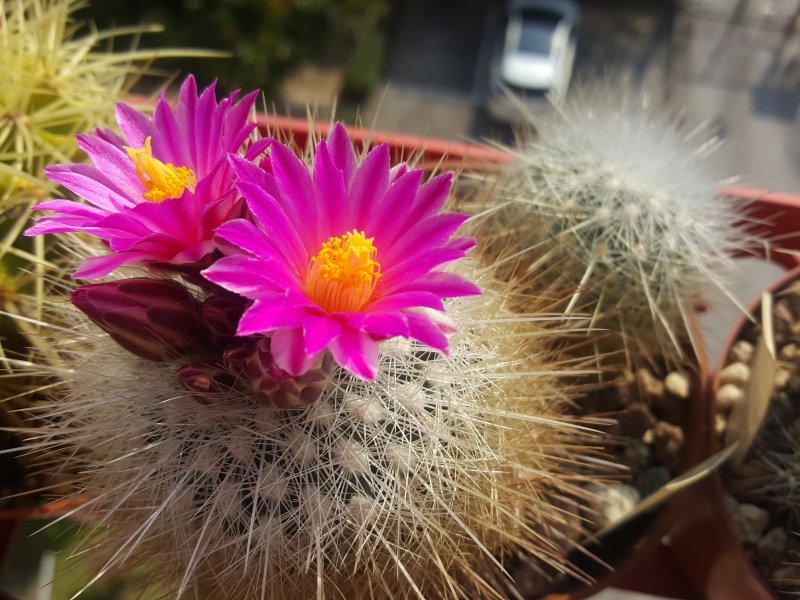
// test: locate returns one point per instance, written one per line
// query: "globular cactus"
(620, 198)
(337, 403)
(417, 484)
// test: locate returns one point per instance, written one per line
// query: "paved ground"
(733, 64)
(737, 65)
(439, 57)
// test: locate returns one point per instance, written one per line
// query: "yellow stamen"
(343, 274)
(161, 180)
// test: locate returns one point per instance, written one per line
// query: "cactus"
(622, 199)
(386, 433)
(416, 484)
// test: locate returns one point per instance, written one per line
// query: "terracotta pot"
(724, 570)
(779, 216)
(429, 153)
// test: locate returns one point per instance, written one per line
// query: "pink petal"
(384, 325)
(187, 117)
(235, 128)
(407, 299)
(114, 163)
(268, 314)
(369, 186)
(133, 124)
(341, 150)
(331, 195)
(357, 352)
(426, 331)
(205, 134)
(400, 197)
(443, 284)
(418, 264)
(247, 236)
(426, 200)
(169, 145)
(431, 233)
(250, 277)
(89, 183)
(319, 331)
(297, 194)
(288, 350)
(100, 266)
(275, 223)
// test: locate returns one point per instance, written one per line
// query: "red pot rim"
(42, 511)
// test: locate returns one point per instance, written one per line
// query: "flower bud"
(152, 318)
(221, 316)
(207, 381)
(272, 386)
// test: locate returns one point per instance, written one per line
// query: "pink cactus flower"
(342, 257)
(158, 194)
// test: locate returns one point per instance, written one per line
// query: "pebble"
(789, 572)
(677, 384)
(773, 543)
(651, 387)
(728, 396)
(736, 373)
(742, 352)
(720, 424)
(651, 480)
(749, 521)
(610, 503)
(667, 441)
(635, 420)
(637, 456)
(788, 352)
(782, 376)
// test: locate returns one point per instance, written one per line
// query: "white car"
(536, 60)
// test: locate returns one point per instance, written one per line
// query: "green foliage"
(364, 68)
(266, 37)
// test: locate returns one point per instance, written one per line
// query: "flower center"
(161, 180)
(343, 274)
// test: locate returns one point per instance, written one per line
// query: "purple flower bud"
(221, 316)
(252, 359)
(152, 318)
(207, 381)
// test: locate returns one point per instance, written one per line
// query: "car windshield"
(536, 31)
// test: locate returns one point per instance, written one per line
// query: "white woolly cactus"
(411, 485)
(321, 406)
(620, 193)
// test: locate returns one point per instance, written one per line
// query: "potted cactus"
(614, 203)
(289, 393)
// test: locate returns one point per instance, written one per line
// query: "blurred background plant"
(268, 38)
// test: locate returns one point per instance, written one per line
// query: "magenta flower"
(159, 194)
(341, 258)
